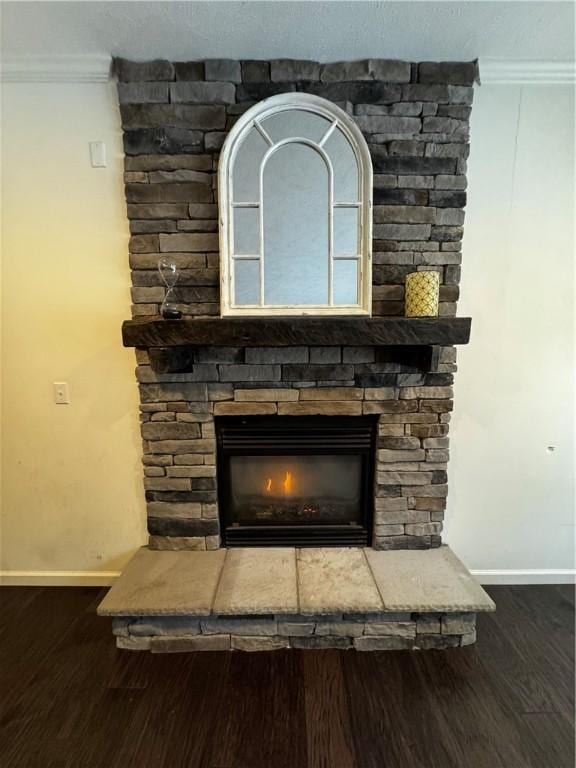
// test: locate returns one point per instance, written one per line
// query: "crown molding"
(97, 69)
(514, 72)
(55, 69)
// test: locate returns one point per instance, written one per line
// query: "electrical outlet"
(61, 393)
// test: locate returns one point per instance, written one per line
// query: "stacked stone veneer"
(175, 117)
(363, 632)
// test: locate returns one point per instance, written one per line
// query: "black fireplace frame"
(300, 435)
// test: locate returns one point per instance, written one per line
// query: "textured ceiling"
(318, 30)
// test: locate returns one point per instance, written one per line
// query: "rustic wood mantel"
(288, 332)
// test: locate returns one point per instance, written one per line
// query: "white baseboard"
(58, 578)
(106, 578)
(526, 576)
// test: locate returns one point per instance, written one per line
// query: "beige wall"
(73, 506)
(72, 493)
(511, 503)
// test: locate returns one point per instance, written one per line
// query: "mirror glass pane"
(246, 231)
(246, 281)
(246, 169)
(345, 231)
(295, 211)
(345, 277)
(296, 123)
(345, 168)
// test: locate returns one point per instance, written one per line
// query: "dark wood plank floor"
(69, 699)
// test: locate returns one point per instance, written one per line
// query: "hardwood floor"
(69, 699)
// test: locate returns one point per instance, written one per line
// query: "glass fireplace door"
(295, 481)
(299, 490)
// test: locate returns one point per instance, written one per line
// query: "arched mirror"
(295, 192)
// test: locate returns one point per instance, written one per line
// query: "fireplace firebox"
(296, 481)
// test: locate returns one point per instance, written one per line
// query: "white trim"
(55, 69)
(514, 72)
(344, 310)
(97, 69)
(58, 578)
(526, 576)
(106, 578)
(264, 133)
(328, 133)
(252, 118)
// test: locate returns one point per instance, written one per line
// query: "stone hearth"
(270, 599)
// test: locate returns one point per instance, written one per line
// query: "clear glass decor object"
(422, 294)
(169, 274)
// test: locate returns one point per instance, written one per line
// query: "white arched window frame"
(338, 119)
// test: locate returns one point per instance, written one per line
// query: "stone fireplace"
(301, 432)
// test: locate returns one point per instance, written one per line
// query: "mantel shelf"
(288, 332)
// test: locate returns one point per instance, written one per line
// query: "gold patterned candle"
(422, 290)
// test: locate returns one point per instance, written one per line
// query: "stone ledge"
(156, 583)
(430, 580)
(295, 583)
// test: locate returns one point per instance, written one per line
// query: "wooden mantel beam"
(288, 332)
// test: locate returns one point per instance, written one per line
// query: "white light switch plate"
(61, 393)
(98, 154)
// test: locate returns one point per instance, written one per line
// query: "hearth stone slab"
(258, 581)
(166, 583)
(332, 580)
(363, 583)
(426, 580)
(325, 598)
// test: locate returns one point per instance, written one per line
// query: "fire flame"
(287, 483)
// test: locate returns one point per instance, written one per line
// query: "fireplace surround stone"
(175, 117)
(413, 411)
(415, 118)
